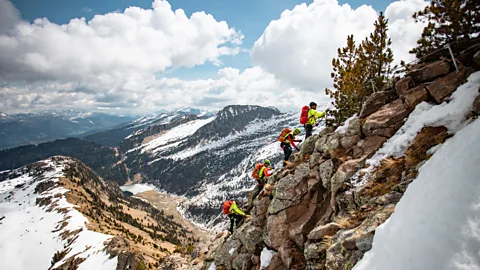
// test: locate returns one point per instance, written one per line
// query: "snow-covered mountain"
(32, 128)
(208, 160)
(57, 214)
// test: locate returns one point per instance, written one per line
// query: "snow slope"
(436, 224)
(31, 234)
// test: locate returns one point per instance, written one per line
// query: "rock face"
(386, 117)
(443, 87)
(326, 206)
(403, 85)
(414, 96)
(429, 72)
(375, 102)
(476, 58)
(127, 259)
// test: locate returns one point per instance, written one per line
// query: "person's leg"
(308, 131)
(238, 220)
(232, 222)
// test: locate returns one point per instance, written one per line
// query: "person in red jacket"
(289, 141)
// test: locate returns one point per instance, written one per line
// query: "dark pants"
(234, 221)
(253, 194)
(308, 131)
(287, 151)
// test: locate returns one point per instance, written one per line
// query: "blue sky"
(251, 17)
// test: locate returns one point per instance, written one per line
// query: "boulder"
(325, 172)
(345, 171)
(385, 117)
(315, 159)
(430, 71)
(290, 189)
(242, 262)
(384, 132)
(251, 237)
(260, 209)
(471, 55)
(227, 251)
(276, 230)
(349, 141)
(371, 144)
(332, 142)
(375, 101)
(414, 96)
(403, 85)
(291, 256)
(445, 86)
(354, 127)
(309, 145)
(324, 230)
(314, 251)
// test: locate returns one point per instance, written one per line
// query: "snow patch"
(436, 224)
(266, 257)
(343, 129)
(137, 188)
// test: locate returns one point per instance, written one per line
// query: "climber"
(309, 118)
(231, 209)
(260, 173)
(287, 140)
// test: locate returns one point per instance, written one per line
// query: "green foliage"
(356, 66)
(447, 21)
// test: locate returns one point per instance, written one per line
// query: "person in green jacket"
(234, 213)
(313, 115)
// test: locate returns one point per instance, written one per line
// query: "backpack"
(256, 171)
(304, 115)
(226, 207)
(285, 131)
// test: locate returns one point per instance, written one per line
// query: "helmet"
(313, 104)
(297, 131)
(267, 162)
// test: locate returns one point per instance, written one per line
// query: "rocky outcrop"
(326, 206)
(383, 121)
(445, 86)
(428, 72)
(127, 258)
(377, 100)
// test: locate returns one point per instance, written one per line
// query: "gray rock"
(375, 102)
(309, 145)
(325, 171)
(403, 85)
(387, 116)
(242, 262)
(430, 71)
(350, 141)
(314, 251)
(321, 231)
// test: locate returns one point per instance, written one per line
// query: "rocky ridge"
(325, 206)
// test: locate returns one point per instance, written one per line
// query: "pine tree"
(376, 56)
(447, 21)
(347, 80)
(355, 66)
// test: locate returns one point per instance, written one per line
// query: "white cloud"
(113, 45)
(109, 61)
(298, 47)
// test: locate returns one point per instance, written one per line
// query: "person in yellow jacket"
(313, 115)
(231, 209)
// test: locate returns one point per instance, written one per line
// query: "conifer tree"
(447, 21)
(355, 66)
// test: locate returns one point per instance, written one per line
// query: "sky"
(138, 57)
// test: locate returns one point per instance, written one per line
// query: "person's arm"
(234, 209)
(319, 114)
(266, 172)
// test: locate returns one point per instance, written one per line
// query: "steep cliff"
(326, 206)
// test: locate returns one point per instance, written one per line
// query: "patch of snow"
(343, 129)
(30, 235)
(451, 115)
(138, 188)
(212, 266)
(266, 257)
(436, 223)
(231, 251)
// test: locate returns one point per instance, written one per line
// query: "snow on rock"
(436, 224)
(266, 257)
(173, 137)
(30, 234)
(451, 115)
(342, 129)
(137, 188)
